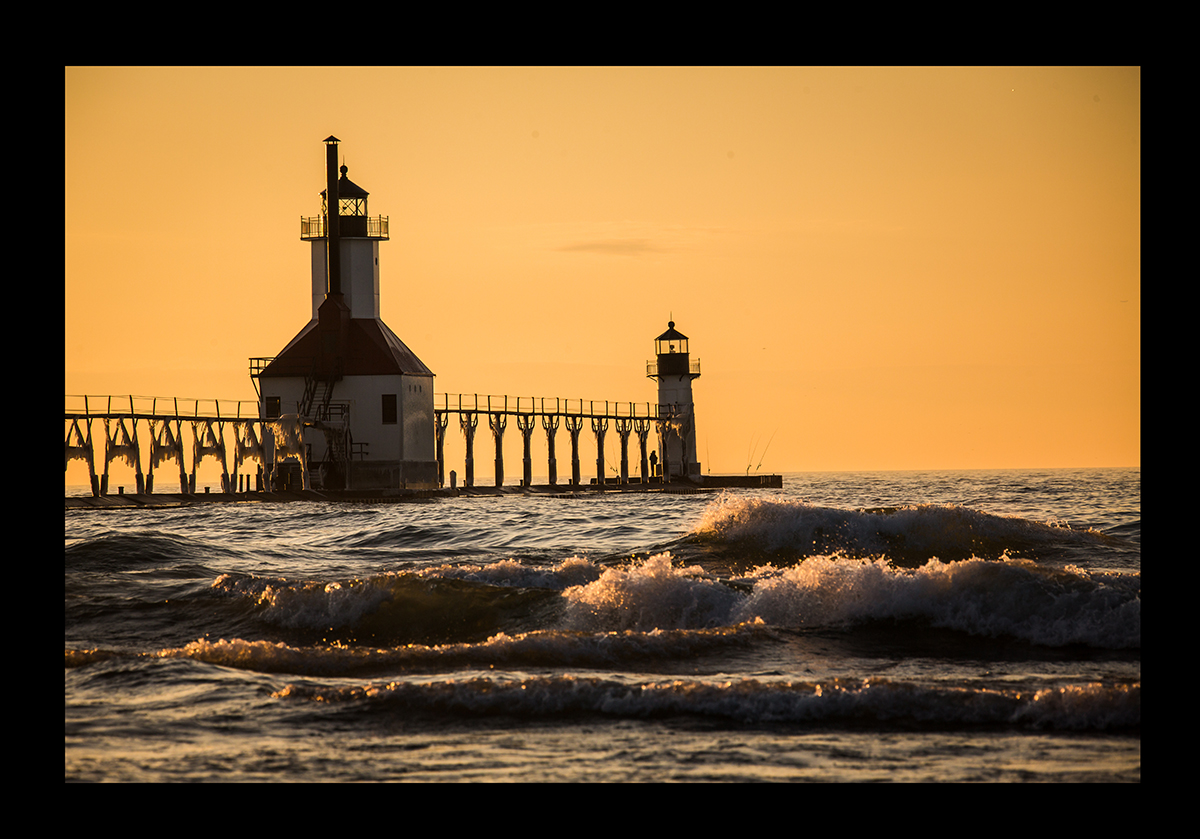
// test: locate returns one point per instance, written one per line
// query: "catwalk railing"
(160, 407)
(460, 403)
(349, 227)
(169, 407)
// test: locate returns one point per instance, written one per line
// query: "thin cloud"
(628, 238)
(614, 247)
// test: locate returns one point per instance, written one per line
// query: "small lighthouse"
(362, 397)
(674, 371)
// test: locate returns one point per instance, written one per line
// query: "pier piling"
(600, 426)
(642, 428)
(624, 427)
(468, 423)
(550, 423)
(526, 423)
(497, 422)
(574, 426)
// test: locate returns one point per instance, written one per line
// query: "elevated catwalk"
(224, 432)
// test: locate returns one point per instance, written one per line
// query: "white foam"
(1011, 597)
(650, 595)
(510, 572)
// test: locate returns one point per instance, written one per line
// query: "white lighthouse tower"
(363, 398)
(674, 371)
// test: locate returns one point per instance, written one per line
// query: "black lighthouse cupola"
(672, 350)
(352, 206)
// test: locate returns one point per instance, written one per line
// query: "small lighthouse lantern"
(672, 350)
(352, 206)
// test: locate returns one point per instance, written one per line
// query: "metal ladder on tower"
(318, 391)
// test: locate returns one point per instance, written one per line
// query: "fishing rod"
(764, 454)
(750, 453)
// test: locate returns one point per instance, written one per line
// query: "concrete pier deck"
(165, 499)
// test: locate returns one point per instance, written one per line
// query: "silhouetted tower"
(358, 238)
(674, 371)
(365, 399)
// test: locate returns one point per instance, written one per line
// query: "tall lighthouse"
(674, 371)
(362, 397)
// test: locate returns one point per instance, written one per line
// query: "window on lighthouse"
(352, 206)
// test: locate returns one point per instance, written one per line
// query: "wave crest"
(908, 535)
(1087, 707)
(1010, 597)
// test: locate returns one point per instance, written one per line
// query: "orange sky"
(878, 268)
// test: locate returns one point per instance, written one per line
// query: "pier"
(347, 407)
(268, 456)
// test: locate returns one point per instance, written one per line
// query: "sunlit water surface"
(902, 626)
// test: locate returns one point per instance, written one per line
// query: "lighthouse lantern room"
(674, 370)
(359, 398)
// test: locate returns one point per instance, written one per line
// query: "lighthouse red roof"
(371, 349)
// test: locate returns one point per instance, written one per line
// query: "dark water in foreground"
(903, 626)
